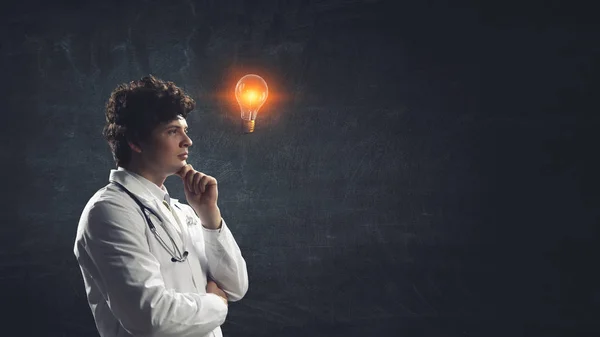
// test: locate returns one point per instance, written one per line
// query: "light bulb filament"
(251, 96)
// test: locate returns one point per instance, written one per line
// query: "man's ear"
(134, 147)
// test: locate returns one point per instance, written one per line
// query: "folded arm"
(226, 266)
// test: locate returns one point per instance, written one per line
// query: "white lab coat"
(133, 287)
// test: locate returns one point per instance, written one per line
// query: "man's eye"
(172, 132)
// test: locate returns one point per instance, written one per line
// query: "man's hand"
(201, 193)
(213, 288)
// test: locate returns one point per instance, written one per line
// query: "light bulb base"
(247, 126)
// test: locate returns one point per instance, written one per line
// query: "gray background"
(423, 169)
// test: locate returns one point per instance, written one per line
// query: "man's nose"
(187, 142)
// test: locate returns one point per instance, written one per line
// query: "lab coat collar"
(159, 193)
(135, 185)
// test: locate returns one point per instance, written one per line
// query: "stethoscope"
(176, 255)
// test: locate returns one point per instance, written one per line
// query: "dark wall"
(422, 169)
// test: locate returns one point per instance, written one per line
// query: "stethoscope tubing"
(175, 256)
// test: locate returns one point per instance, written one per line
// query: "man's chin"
(181, 165)
(176, 168)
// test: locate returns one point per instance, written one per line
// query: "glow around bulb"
(251, 93)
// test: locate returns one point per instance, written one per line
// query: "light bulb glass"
(251, 93)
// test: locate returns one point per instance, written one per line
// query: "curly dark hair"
(135, 109)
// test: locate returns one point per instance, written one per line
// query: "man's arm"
(226, 266)
(120, 262)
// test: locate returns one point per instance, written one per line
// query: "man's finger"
(184, 170)
(189, 180)
(202, 183)
(208, 181)
(196, 182)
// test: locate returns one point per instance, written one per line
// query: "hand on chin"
(174, 170)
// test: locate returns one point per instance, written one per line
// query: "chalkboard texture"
(424, 168)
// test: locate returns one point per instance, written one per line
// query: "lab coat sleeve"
(226, 266)
(129, 277)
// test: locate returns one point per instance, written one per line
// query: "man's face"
(163, 151)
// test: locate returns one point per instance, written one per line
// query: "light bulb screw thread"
(248, 126)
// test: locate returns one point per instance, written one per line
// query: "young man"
(153, 266)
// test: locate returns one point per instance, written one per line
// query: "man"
(153, 266)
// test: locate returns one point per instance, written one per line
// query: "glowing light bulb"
(251, 93)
